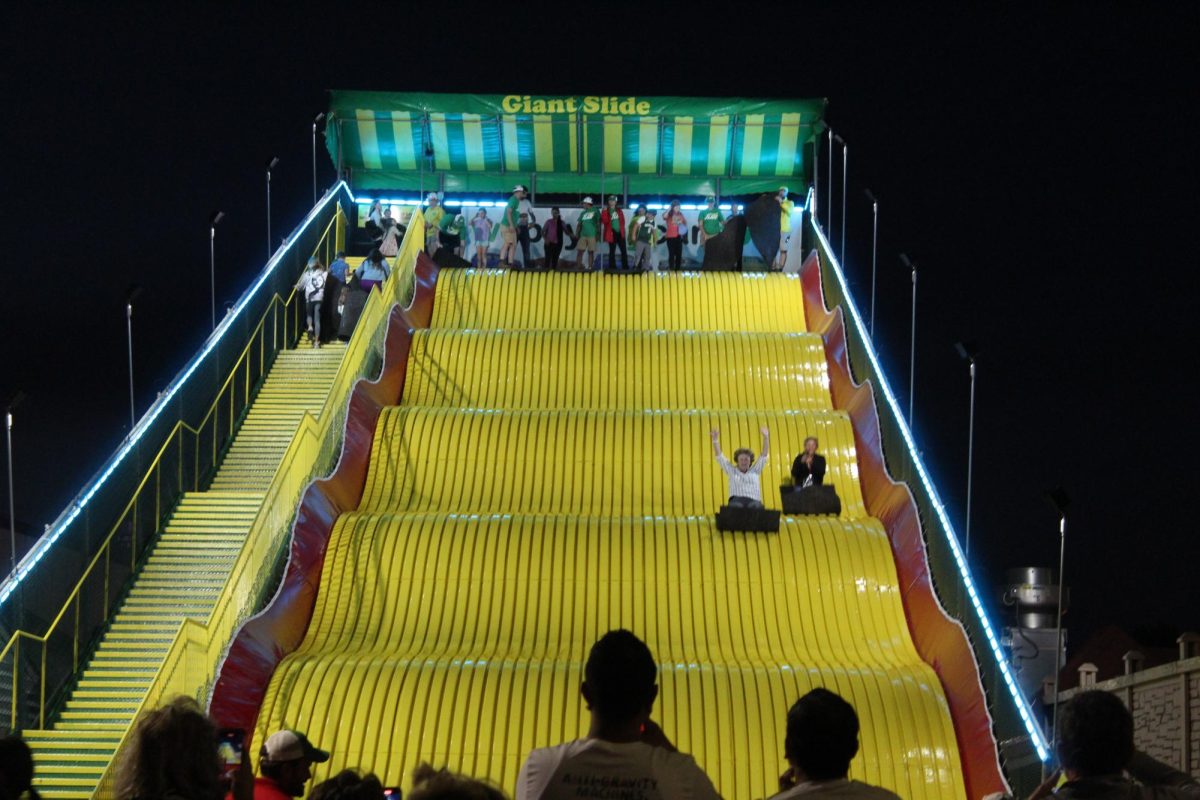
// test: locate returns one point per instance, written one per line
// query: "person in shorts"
(481, 232)
(508, 226)
(434, 213)
(785, 225)
(589, 230)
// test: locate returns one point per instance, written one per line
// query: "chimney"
(1134, 660)
(1087, 675)
(1189, 645)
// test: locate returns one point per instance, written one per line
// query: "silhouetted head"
(1095, 734)
(442, 784)
(173, 752)
(620, 678)
(348, 785)
(822, 736)
(16, 769)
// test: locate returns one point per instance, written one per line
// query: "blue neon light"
(1035, 732)
(55, 531)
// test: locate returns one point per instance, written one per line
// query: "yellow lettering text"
(643, 107)
(511, 103)
(591, 105)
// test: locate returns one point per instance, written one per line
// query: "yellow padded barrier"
(617, 370)
(675, 301)
(460, 639)
(607, 463)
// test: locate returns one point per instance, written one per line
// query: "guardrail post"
(42, 692)
(75, 643)
(16, 681)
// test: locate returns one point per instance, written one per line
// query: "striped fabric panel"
(368, 143)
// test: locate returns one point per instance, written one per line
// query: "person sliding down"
(745, 479)
(809, 467)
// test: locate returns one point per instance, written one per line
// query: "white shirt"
(594, 768)
(744, 484)
(842, 789)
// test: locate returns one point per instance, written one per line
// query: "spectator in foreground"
(285, 762)
(348, 785)
(623, 744)
(809, 467)
(1095, 748)
(822, 740)
(745, 479)
(612, 222)
(172, 754)
(442, 784)
(16, 769)
(589, 230)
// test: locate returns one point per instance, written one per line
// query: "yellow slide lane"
(542, 485)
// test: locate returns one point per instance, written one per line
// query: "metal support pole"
(970, 461)
(816, 187)
(912, 351)
(1058, 649)
(842, 251)
(12, 508)
(129, 342)
(829, 181)
(268, 213)
(212, 270)
(874, 254)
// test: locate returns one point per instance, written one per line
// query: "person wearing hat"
(453, 232)
(612, 222)
(711, 220)
(589, 230)
(434, 213)
(508, 226)
(285, 762)
(785, 225)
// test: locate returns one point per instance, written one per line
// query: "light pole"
(130, 296)
(12, 507)
(845, 156)
(270, 166)
(1060, 500)
(829, 199)
(216, 217)
(967, 351)
(316, 121)
(912, 346)
(874, 252)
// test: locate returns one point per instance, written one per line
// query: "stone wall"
(1165, 702)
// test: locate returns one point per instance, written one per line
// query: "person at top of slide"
(745, 475)
(589, 231)
(676, 233)
(712, 221)
(612, 222)
(481, 232)
(623, 745)
(786, 207)
(433, 222)
(508, 226)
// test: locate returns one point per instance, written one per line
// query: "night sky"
(1038, 164)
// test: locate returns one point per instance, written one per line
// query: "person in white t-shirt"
(745, 474)
(822, 740)
(624, 754)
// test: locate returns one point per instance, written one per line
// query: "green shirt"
(452, 225)
(513, 209)
(614, 219)
(589, 222)
(712, 220)
(647, 231)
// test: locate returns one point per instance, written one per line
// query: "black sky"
(1038, 161)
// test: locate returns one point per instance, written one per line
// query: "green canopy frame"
(486, 143)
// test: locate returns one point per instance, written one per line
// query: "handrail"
(226, 394)
(196, 651)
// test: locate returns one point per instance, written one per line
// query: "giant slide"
(547, 476)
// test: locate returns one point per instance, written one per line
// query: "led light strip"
(1035, 732)
(52, 535)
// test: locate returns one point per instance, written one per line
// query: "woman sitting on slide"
(809, 468)
(745, 484)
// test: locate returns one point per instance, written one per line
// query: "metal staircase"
(181, 578)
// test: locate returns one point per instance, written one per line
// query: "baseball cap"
(710, 199)
(783, 189)
(284, 746)
(432, 197)
(519, 188)
(587, 199)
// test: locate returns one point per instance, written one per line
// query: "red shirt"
(266, 789)
(606, 224)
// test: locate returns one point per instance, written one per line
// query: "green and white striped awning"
(396, 140)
